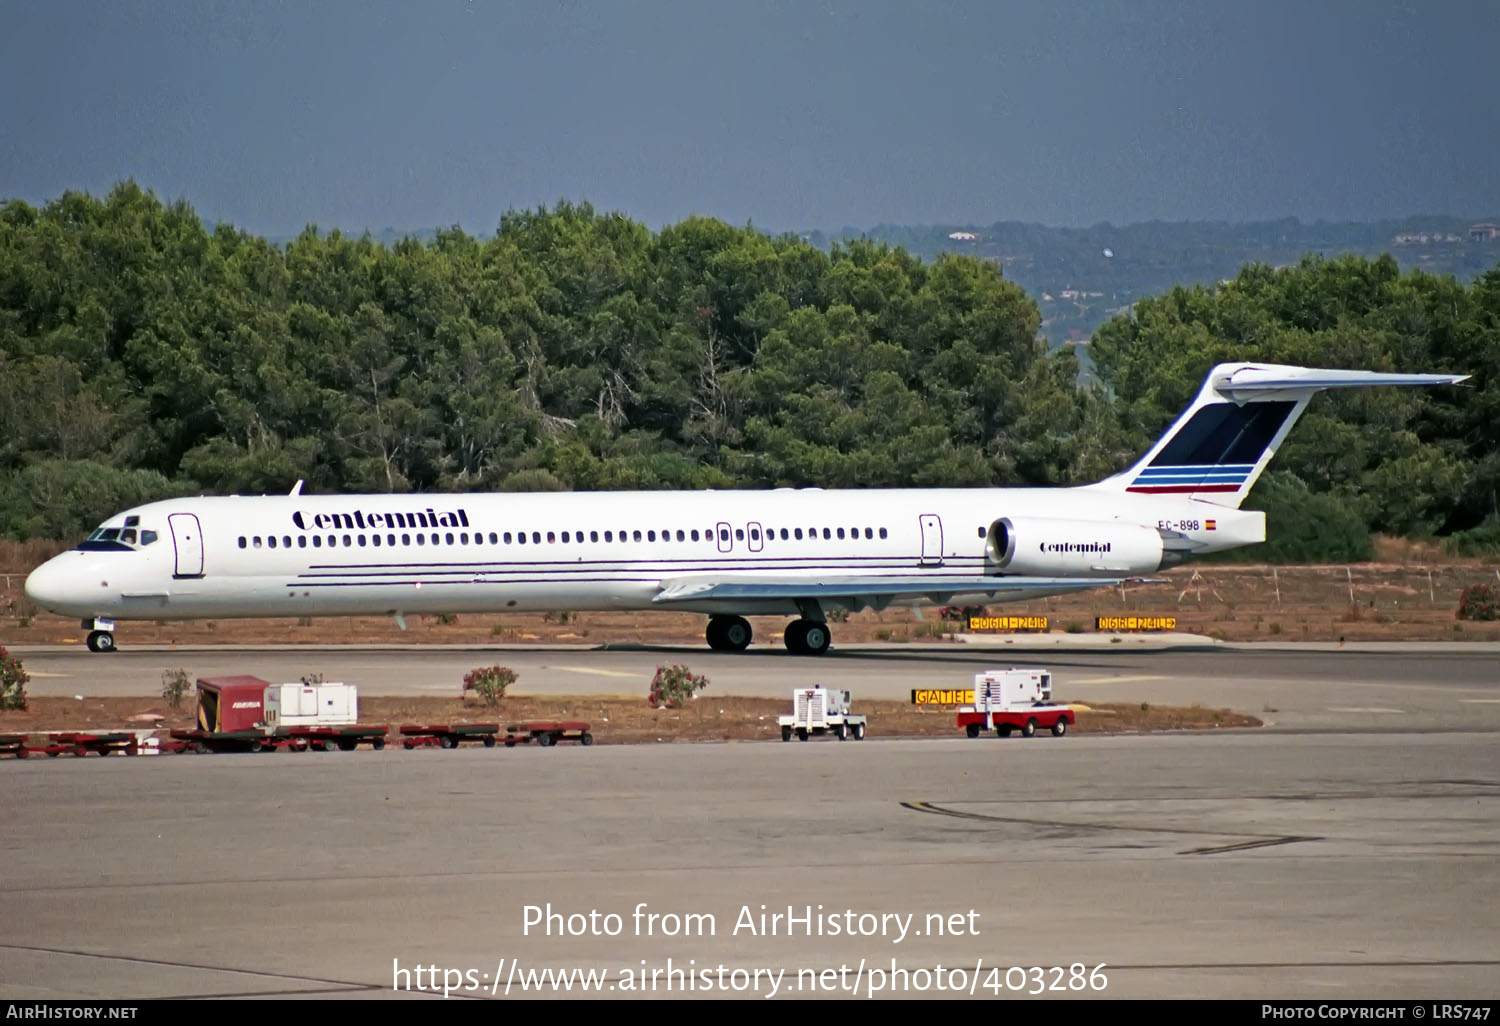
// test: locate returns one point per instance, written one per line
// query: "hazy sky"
(788, 115)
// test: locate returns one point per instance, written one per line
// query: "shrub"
(174, 684)
(1303, 526)
(312, 678)
(1482, 541)
(673, 686)
(489, 682)
(13, 681)
(961, 614)
(1479, 602)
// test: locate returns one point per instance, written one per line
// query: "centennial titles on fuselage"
(360, 519)
(1074, 547)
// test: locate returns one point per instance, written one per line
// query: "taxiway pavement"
(1320, 687)
(1350, 851)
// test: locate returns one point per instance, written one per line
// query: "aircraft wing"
(876, 592)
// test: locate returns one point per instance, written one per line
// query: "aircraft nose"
(61, 585)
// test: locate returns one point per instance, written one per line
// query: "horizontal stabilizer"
(1247, 381)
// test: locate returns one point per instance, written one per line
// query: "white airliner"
(729, 554)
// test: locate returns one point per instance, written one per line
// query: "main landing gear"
(733, 634)
(807, 637)
(101, 641)
(728, 633)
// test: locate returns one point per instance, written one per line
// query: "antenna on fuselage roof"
(296, 488)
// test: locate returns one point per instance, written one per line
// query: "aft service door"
(932, 540)
(188, 540)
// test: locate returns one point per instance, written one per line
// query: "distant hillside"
(1080, 277)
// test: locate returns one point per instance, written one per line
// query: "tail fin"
(1218, 447)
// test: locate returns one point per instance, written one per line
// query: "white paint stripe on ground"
(1364, 709)
(597, 673)
(1116, 680)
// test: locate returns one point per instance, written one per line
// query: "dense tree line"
(143, 356)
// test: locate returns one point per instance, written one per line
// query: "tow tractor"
(1015, 699)
(816, 711)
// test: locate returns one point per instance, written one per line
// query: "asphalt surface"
(1309, 686)
(1337, 855)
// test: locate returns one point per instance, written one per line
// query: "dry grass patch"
(616, 720)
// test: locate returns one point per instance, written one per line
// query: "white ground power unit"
(818, 711)
(311, 705)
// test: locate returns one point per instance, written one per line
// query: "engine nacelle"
(1073, 548)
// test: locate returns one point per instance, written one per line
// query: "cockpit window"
(117, 539)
